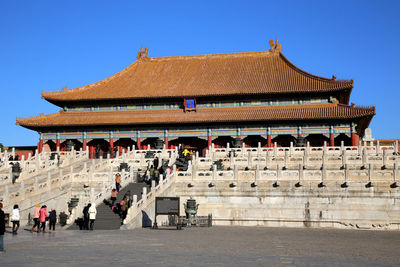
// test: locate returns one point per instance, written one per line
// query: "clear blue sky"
(47, 45)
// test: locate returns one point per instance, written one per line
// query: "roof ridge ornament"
(142, 54)
(275, 47)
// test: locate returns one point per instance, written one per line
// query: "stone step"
(106, 219)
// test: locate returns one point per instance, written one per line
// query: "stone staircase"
(106, 219)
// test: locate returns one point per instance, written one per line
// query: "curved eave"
(216, 115)
(266, 85)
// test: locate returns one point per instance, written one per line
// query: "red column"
(40, 146)
(84, 144)
(111, 143)
(269, 141)
(354, 139)
(139, 145)
(331, 139)
(91, 152)
(58, 144)
(166, 142)
(209, 141)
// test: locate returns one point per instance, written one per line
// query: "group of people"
(153, 172)
(40, 217)
(120, 208)
(89, 217)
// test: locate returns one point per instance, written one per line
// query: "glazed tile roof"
(211, 115)
(265, 72)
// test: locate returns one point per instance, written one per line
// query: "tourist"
(86, 217)
(151, 171)
(113, 196)
(156, 175)
(155, 162)
(124, 209)
(129, 198)
(36, 223)
(2, 228)
(118, 182)
(169, 171)
(147, 175)
(52, 220)
(92, 215)
(15, 219)
(43, 217)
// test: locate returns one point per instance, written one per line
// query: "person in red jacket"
(42, 217)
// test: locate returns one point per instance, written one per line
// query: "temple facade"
(237, 98)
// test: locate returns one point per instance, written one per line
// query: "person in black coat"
(2, 227)
(86, 217)
(52, 220)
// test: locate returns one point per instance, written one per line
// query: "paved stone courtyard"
(215, 246)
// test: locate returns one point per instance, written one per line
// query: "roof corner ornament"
(333, 77)
(275, 47)
(142, 54)
(64, 88)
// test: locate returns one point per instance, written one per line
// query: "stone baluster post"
(133, 210)
(275, 149)
(378, 148)
(343, 157)
(359, 147)
(214, 172)
(23, 162)
(323, 173)
(396, 146)
(13, 152)
(161, 182)
(364, 157)
(395, 172)
(384, 158)
(249, 158)
(144, 194)
(305, 158)
(278, 171)
(267, 158)
(324, 153)
(308, 148)
(38, 162)
(290, 149)
(286, 166)
(346, 172)
(370, 172)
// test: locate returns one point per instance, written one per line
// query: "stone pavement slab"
(215, 246)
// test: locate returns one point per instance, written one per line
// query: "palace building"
(237, 98)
